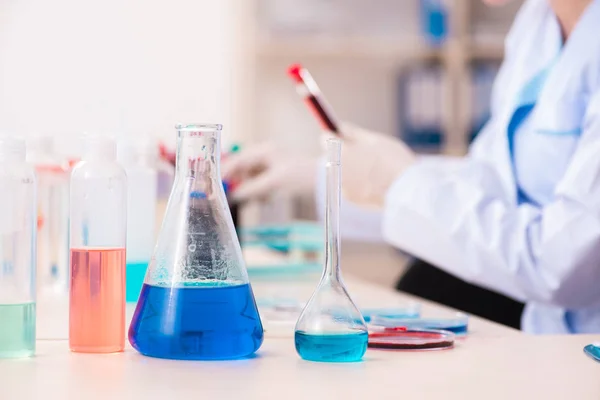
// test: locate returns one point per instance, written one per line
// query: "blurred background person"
(519, 213)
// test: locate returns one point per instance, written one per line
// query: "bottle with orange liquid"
(98, 232)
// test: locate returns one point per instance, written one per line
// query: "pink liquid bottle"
(98, 232)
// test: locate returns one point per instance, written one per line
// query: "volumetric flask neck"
(331, 272)
(197, 281)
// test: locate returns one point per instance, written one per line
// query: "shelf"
(487, 45)
(346, 47)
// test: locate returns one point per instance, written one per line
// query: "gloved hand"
(262, 169)
(371, 162)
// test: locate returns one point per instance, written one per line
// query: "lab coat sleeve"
(459, 220)
(360, 223)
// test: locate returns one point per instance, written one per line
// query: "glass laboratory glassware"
(17, 251)
(52, 214)
(98, 237)
(138, 157)
(196, 302)
(331, 328)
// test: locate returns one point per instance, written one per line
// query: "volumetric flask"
(17, 251)
(331, 328)
(196, 302)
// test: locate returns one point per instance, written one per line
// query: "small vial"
(17, 251)
(98, 232)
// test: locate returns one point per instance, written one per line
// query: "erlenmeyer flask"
(330, 327)
(196, 302)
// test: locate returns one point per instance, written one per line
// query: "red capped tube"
(307, 88)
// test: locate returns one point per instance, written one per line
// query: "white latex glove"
(262, 169)
(371, 162)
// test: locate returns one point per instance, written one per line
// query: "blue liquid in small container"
(343, 347)
(135, 274)
(211, 321)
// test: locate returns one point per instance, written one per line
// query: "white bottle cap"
(136, 150)
(96, 147)
(40, 144)
(12, 148)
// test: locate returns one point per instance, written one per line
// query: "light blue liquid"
(341, 347)
(135, 273)
(17, 330)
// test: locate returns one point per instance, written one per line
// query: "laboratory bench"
(492, 362)
(500, 367)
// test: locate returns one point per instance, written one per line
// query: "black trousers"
(426, 281)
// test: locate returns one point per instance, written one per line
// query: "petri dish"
(409, 311)
(593, 351)
(410, 339)
(459, 324)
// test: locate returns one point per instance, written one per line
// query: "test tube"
(18, 219)
(98, 234)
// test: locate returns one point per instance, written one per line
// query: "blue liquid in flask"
(211, 321)
(342, 347)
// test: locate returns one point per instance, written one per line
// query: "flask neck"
(198, 154)
(332, 223)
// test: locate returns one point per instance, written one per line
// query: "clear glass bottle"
(139, 157)
(196, 302)
(331, 328)
(18, 222)
(98, 233)
(52, 215)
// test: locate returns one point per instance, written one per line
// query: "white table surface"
(511, 367)
(493, 362)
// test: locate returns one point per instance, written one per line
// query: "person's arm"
(457, 221)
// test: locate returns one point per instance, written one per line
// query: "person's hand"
(371, 162)
(260, 170)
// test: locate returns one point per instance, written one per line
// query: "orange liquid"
(97, 300)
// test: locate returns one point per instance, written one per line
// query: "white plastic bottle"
(53, 214)
(98, 232)
(139, 158)
(17, 251)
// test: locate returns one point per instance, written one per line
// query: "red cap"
(294, 72)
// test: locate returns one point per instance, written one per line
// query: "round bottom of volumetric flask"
(411, 339)
(331, 347)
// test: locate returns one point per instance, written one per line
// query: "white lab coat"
(521, 213)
